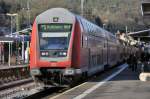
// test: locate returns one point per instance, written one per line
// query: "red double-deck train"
(66, 47)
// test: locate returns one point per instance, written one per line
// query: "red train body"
(65, 47)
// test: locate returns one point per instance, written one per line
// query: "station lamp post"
(82, 7)
(27, 9)
(10, 43)
(28, 12)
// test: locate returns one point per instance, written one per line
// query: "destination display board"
(54, 27)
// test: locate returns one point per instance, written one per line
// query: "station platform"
(117, 83)
(12, 66)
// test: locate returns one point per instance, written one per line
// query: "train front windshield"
(54, 37)
(52, 43)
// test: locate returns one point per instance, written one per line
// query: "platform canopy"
(143, 35)
(23, 35)
(6, 39)
(18, 38)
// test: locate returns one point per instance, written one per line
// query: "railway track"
(26, 89)
(18, 92)
(13, 74)
(29, 90)
(15, 83)
(12, 77)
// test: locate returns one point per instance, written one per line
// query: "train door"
(103, 53)
(107, 53)
(89, 58)
(90, 52)
(84, 52)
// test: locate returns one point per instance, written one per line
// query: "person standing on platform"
(26, 55)
(129, 61)
(145, 60)
(134, 63)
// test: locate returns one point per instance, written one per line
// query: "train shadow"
(45, 93)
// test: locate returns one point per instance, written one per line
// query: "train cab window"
(53, 43)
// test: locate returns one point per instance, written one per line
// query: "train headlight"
(44, 53)
(64, 53)
(35, 72)
(60, 53)
(69, 71)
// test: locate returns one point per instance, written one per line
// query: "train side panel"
(76, 48)
(33, 47)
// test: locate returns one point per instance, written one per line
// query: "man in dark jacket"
(134, 63)
(145, 59)
(129, 61)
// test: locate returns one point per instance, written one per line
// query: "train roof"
(65, 16)
(90, 27)
(54, 15)
(95, 30)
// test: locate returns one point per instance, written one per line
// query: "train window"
(86, 41)
(82, 41)
(99, 59)
(92, 60)
(105, 41)
(51, 43)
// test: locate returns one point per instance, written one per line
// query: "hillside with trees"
(112, 13)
